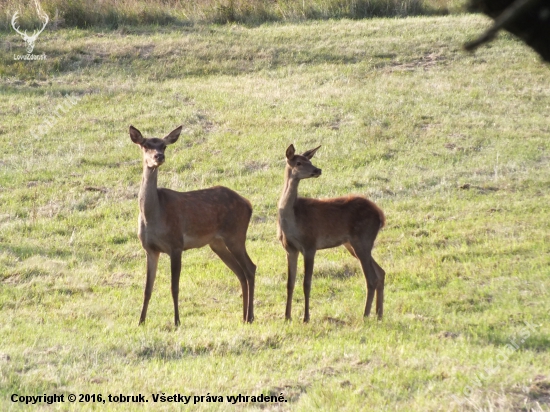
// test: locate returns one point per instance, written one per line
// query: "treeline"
(112, 14)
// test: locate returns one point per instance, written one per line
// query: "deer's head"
(300, 165)
(153, 148)
(30, 40)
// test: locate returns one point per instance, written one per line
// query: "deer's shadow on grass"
(25, 252)
(50, 261)
(238, 52)
(240, 346)
(523, 340)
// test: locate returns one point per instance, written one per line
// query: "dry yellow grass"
(89, 13)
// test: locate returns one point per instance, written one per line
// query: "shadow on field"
(524, 336)
(199, 51)
(25, 252)
(183, 62)
(237, 346)
(33, 89)
(534, 342)
(38, 262)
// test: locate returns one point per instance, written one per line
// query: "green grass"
(453, 147)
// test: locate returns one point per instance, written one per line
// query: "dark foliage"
(531, 23)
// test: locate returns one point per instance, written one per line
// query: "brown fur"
(307, 225)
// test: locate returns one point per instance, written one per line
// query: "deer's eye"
(299, 164)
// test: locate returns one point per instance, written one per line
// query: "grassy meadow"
(453, 147)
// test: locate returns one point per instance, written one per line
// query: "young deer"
(306, 225)
(171, 222)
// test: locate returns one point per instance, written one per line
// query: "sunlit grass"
(452, 146)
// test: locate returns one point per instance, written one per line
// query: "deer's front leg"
(309, 258)
(175, 266)
(292, 261)
(152, 262)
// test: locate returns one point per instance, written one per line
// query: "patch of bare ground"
(335, 321)
(291, 392)
(448, 335)
(533, 398)
(118, 279)
(425, 62)
(256, 166)
(336, 269)
(539, 390)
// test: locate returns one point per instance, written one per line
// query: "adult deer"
(171, 222)
(307, 225)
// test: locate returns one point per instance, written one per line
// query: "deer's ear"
(290, 152)
(173, 136)
(136, 136)
(309, 154)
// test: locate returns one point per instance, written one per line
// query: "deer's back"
(332, 222)
(192, 219)
(218, 205)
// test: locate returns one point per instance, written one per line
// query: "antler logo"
(30, 40)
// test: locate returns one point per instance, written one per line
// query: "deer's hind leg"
(219, 248)
(381, 273)
(238, 250)
(373, 274)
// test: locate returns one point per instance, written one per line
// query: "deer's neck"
(289, 196)
(148, 196)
